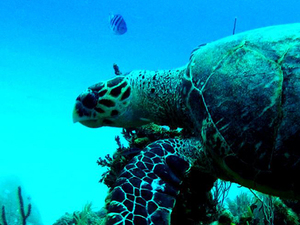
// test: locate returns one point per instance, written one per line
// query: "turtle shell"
(245, 101)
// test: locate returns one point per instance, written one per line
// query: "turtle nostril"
(89, 100)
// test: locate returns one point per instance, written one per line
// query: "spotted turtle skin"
(238, 98)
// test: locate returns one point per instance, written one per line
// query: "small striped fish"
(117, 24)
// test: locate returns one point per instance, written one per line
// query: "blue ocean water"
(52, 50)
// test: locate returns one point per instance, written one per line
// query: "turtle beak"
(80, 113)
(84, 105)
(83, 116)
(76, 117)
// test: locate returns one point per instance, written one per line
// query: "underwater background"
(51, 50)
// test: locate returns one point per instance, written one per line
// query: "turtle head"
(135, 99)
(110, 103)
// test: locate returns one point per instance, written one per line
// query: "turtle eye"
(89, 100)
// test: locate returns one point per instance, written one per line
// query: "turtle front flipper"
(146, 190)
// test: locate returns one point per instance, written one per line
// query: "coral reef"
(200, 204)
(294, 205)
(254, 208)
(205, 204)
(220, 193)
(225, 218)
(283, 214)
(24, 215)
(144, 135)
(16, 205)
(87, 216)
(195, 203)
(3, 216)
(241, 208)
(137, 140)
(116, 163)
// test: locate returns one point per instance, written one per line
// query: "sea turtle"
(239, 100)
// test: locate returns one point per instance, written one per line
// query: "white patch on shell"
(156, 185)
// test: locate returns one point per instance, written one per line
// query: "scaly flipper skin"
(146, 191)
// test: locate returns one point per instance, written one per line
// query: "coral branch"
(3, 216)
(234, 26)
(220, 192)
(267, 207)
(22, 209)
(116, 69)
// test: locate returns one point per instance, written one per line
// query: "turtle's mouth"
(82, 115)
(90, 123)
